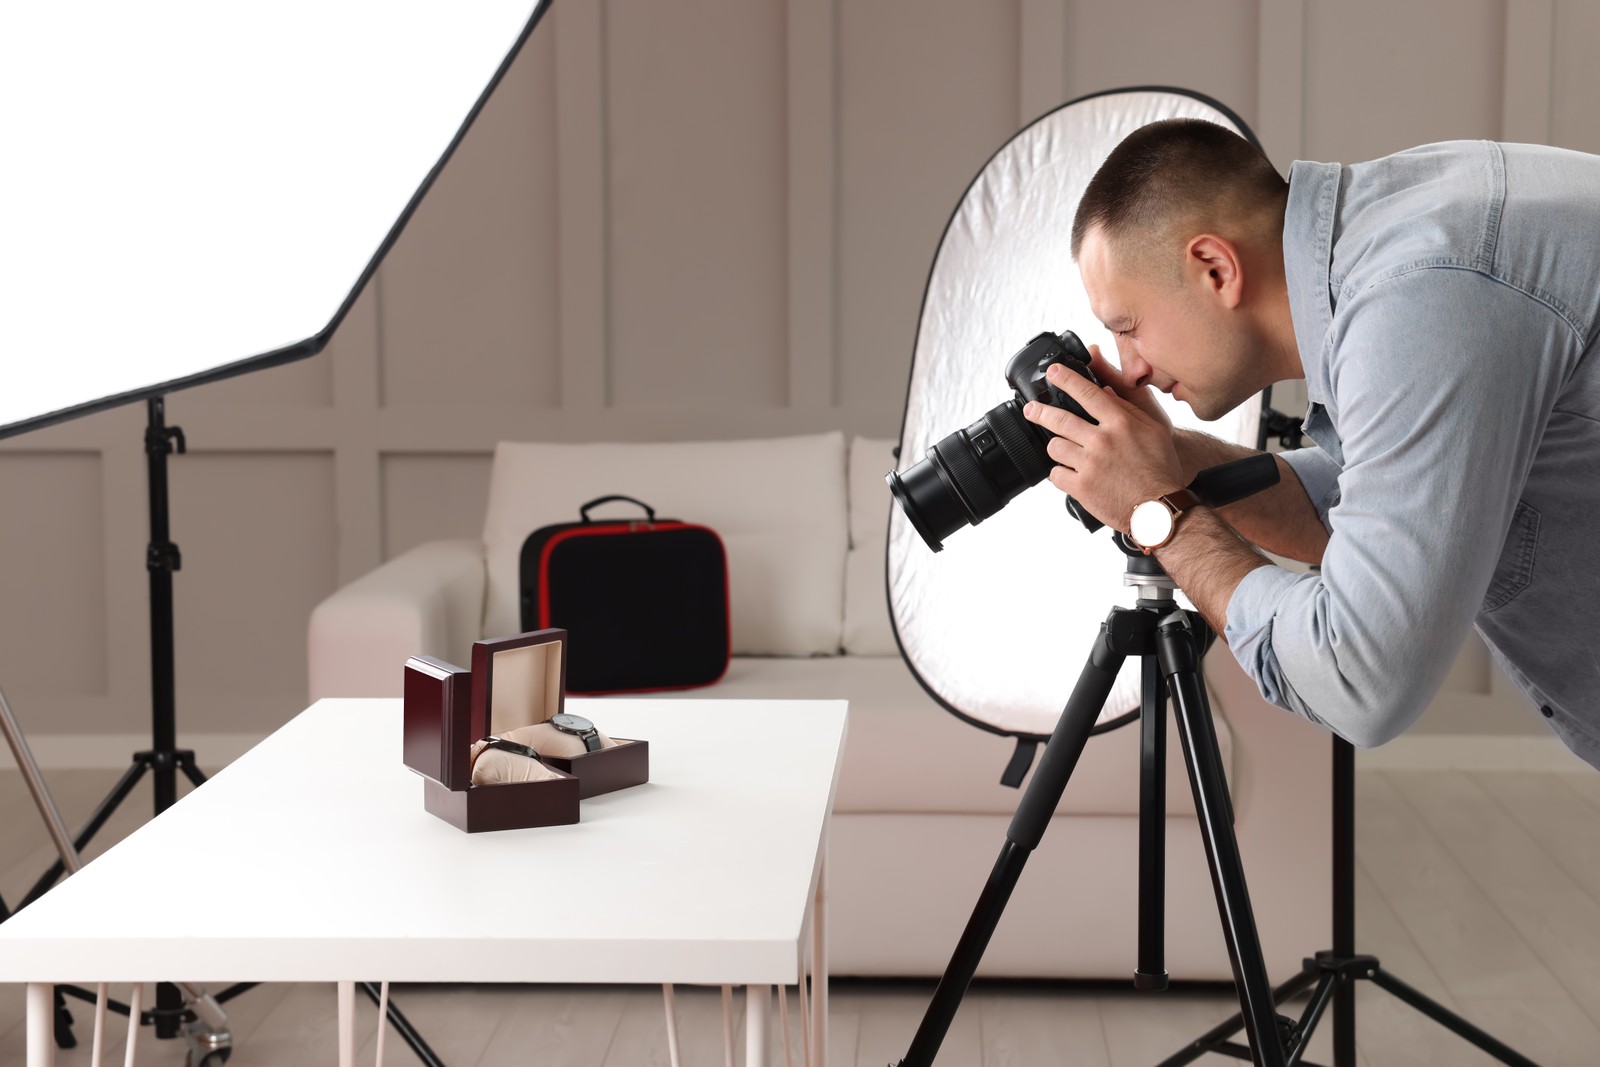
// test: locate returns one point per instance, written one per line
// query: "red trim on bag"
(629, 528)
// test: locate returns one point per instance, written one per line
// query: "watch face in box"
(520, 682)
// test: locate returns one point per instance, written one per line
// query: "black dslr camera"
(975, 472)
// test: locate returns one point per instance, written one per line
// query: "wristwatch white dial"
(580, 728)
(1155, 521)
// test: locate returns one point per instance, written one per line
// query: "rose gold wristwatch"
(1155, 521)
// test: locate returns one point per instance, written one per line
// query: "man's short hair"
(1176, 171)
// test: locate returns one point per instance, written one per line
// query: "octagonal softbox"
(195, 190)
(998, 625)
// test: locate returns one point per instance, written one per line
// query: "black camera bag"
(644, 601)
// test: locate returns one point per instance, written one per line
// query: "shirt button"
(1544, 709)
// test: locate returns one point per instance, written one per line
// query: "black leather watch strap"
(511, 746)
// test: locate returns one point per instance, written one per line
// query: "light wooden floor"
(1483, 890)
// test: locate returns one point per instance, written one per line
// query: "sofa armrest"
(427, 601)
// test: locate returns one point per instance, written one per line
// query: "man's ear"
(1216, 265)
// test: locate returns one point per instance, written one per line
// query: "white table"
(324, 867)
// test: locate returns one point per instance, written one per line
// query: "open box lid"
(517, 681)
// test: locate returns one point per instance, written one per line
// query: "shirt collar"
(1307, 259)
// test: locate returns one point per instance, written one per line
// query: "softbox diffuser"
(194, 190)
(998, 626)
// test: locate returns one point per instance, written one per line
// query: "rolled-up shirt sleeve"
(1437, 431)
(1319, 476)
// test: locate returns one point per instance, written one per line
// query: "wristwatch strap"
(591, 740)
(510, 746)
(1180, 501)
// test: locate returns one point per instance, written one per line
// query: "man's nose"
(1135, 371)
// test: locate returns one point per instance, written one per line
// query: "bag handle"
(597, 501)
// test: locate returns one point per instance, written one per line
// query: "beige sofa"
(920, 815)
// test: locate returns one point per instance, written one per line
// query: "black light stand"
(211, 1044)
(1336, 972)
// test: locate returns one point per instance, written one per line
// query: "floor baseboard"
(105, 751)
(1412, 752)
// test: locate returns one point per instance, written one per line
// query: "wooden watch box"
(514, 682)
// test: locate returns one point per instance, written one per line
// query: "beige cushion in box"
(905, 753)
(867, 630)
(778, 504)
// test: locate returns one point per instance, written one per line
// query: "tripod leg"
(1449, 1019)
(1151, 972)
(1179, 660)
(1027, 829)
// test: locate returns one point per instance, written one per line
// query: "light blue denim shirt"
(1445, 302)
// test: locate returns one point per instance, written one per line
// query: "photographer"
(1442, 305)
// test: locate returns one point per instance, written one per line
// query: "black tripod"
(175, 1006)
(1169, 642)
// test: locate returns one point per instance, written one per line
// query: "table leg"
(819, 971)
(672, 1024)
(757, 1009)
(347, 1024)
(41, 1025)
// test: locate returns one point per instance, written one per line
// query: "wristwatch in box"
(579, 727)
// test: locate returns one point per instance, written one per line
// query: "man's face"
(1174, 330)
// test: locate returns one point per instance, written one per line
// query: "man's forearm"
(1208, 560)
(1280, 519)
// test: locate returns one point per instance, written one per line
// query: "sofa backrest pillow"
(778, 505)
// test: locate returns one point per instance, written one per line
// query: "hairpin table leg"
(347, 1024)
(757, 1013)
(135, 1009)
(41, 1025)
(783, 1017)
(819, 972)
(672, 1024)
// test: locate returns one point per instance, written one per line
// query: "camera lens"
(971, 474)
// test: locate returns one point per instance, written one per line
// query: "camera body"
(974, 472)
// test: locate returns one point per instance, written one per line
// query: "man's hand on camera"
(1141, 396)
(1113, 467)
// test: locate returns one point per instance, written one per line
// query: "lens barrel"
(976, 471)
(971, 474)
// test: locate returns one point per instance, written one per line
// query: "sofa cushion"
(867, 631)
(779, 505)
(905, 753)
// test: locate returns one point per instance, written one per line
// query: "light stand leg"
(1180, 661)
(1344, 898)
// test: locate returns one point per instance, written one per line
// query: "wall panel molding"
(1042, 57)
(581, 202)
(1281, 80)
(1529, 72)
(812, 203)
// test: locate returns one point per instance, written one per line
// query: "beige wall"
(708, 218)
